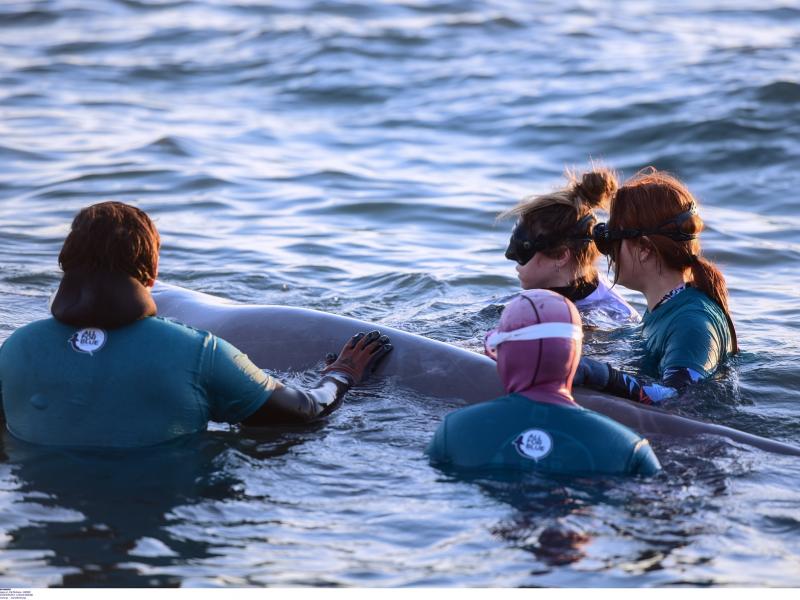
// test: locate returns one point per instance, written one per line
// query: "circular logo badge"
(534, 444)
(88, 340)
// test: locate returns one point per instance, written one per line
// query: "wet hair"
(555, 216)
(112, 237)
(652, 198)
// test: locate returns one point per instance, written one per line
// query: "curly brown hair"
(556, 215)
(112, 237)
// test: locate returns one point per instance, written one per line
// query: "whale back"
(284, 338)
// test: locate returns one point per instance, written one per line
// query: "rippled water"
(353, 156)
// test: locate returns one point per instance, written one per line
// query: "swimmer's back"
(142, 384)
(689, 331)
(515, 433)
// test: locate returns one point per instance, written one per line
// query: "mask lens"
(601, 239)
(520, 248)
(606, 242)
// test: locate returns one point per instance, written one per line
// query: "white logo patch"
(88, 340)
(534, 444)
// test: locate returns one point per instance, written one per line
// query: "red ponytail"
(652, 198)
(709, 279)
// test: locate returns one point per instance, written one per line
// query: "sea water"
(352, 156)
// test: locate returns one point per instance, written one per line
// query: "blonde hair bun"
(596, 187)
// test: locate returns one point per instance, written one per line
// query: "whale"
(293, 339)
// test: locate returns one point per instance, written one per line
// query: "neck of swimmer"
(576, 288)
(549, 394)
(103, 299)
(571, 274)
(656, 287)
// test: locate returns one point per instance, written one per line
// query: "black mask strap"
(605, 239)
(521, 248)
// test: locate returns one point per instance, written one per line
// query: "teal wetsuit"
(518, 434)
(688, 331)
(686, 337)
(142, 384)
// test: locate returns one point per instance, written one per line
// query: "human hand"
(360, 356)
(591, 373)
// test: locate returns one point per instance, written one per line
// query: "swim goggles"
(606, 239)
(540, 331)
(521, 248)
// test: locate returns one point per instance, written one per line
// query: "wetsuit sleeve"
(291, 405)
(643, 460)
(680, 377)
(236, 387)
(605, 378)
(627, 386)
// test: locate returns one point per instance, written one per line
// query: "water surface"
(352, 157)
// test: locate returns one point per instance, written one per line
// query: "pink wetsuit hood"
(540, 369)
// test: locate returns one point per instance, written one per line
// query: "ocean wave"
(352, 157)
(11, 153)
(26, 18)
(780, 92)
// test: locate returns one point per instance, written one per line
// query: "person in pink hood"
(538, 426)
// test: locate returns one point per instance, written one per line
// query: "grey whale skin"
(285, 338)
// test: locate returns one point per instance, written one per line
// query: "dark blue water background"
(352, 157)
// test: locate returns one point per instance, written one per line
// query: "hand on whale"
(359, 356)
(357, 359)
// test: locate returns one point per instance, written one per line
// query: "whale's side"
(283, 338)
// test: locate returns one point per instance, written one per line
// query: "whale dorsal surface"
(285, 338)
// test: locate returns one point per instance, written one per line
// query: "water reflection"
(544, 520)
(102, 518)
(596, 527)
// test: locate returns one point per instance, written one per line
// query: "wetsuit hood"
(578, 289)
(101, 299)
(540, 369)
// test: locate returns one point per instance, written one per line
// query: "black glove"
(360, 356)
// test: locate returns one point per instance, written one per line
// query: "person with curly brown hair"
(105, 371)
(553, 248)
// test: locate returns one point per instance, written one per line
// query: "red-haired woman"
(652, 240)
